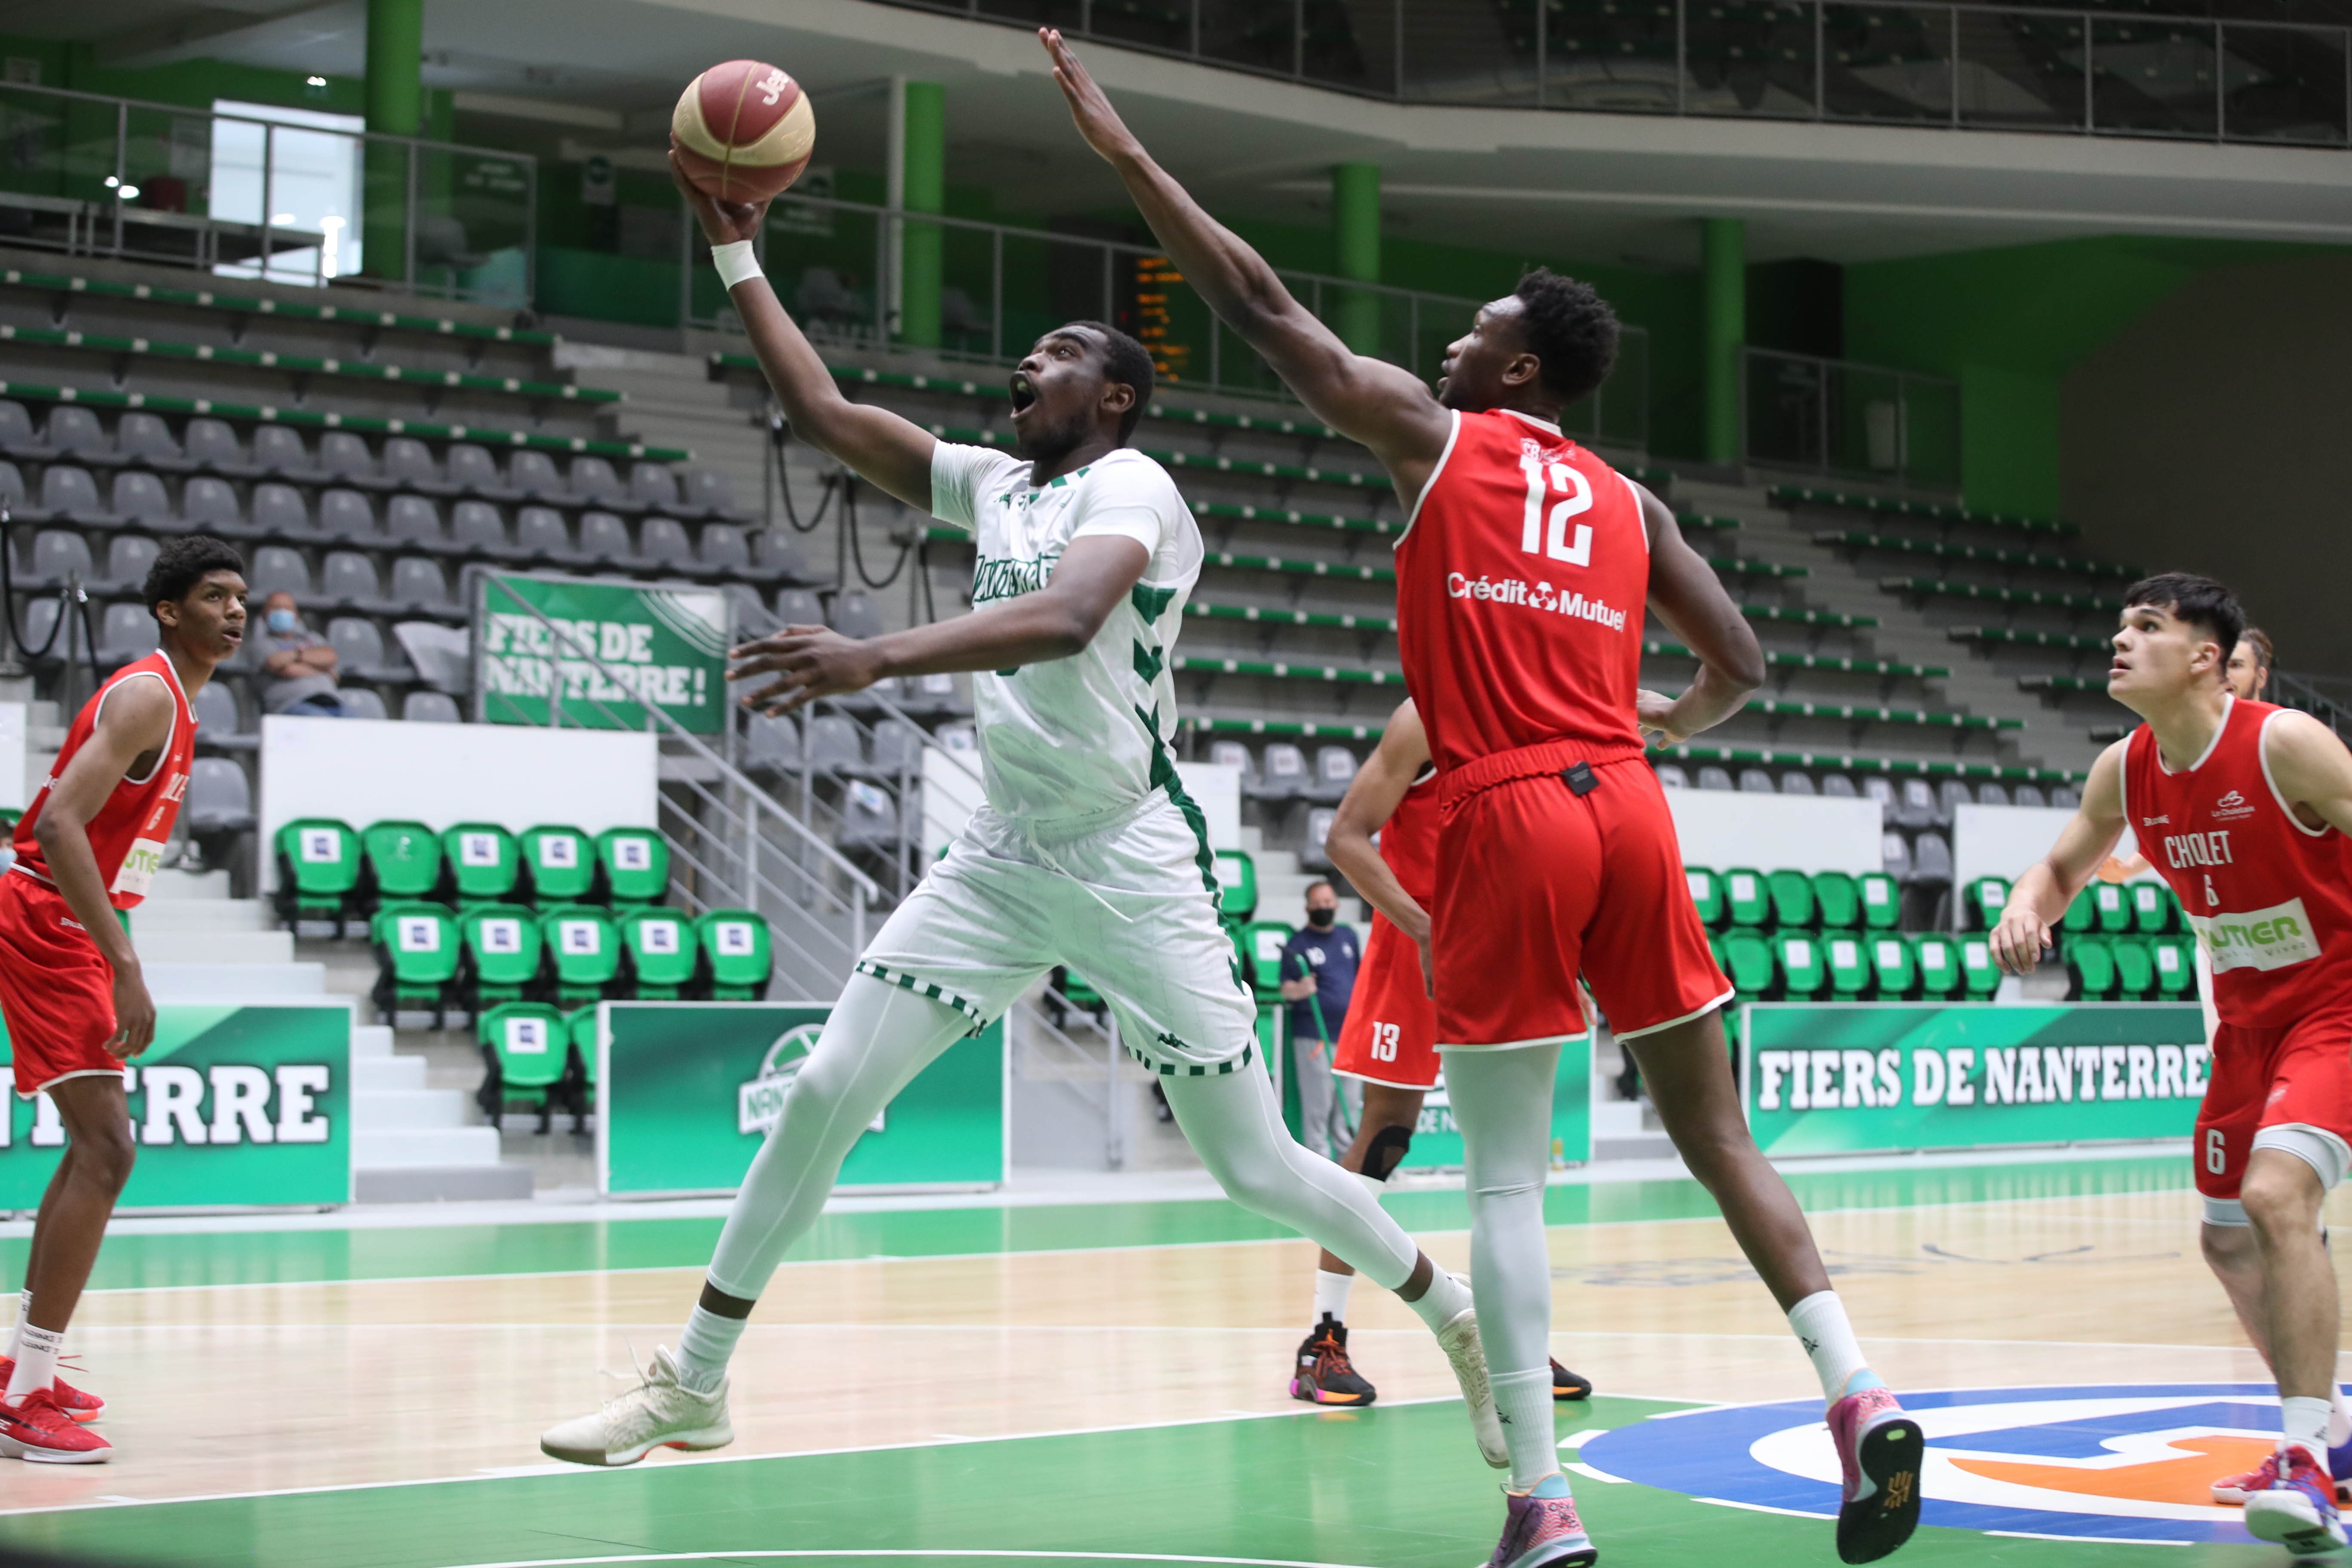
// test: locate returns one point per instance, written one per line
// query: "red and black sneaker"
(36, 1429)
(1566, 1385)
(1325, 1375)
(77, 1403)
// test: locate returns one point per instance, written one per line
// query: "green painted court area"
(157, 1261)
(1393, 1487)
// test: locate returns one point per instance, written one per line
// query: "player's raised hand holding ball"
(741, 134)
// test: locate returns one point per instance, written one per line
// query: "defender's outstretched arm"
(891, 452)
(2038, 900)
(1382, 405)
(1379, 788)
(1690, 599)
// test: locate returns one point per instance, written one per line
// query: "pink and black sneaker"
(1542, 1533)
(1881, 1449)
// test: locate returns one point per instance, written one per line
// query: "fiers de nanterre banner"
(1822, 1080)
(604, 652)
(687, 1092)
(233, 1106)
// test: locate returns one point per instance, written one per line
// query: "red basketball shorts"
(2288, 1088)
(1391, 1035)
(57, 992)
(1537, 883)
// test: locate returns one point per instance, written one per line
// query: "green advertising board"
(687, 1092)
(234, 1106)
(1437, 1143)
(605, 651)
(1904, 1076)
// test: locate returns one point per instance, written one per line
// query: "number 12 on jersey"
(1547, 536)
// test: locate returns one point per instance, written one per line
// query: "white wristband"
(735, 262)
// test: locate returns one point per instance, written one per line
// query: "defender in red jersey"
(70, 989)
(1383, 839)
(1523, 576)
(2243, 808)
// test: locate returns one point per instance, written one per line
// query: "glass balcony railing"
(1862, 421)
(1967, 67)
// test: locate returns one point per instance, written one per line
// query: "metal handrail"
(2289, 689)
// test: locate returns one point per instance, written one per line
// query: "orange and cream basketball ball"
(744, 130)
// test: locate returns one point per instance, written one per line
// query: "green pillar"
(395, 104)
(1723, 306)
(924, 170)
(1356, 246)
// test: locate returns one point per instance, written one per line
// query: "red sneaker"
(73, 1401)
(36, 1429)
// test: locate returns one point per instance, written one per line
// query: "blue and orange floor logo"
(2114, 1461)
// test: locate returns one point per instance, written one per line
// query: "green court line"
(151, 1261)
(1385, 1488)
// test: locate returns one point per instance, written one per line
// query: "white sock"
(1523, 1401)
(36, 1359)
(1447, 1298)
(705, 1348)
(2306, 1423)
(1820, 1322)
(1331, 1295)
(24, 1310)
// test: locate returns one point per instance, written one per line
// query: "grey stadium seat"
(2029, 794)
(772, 745)
(752, 618)
(344, 454)
(471, 468)
(348, 517)
(140, 496)
(1991, 793)
(605, 539)
(210, 444)
(653, 485)
(408, 462)
(1334, 770)
(430, 708)
(1881, 790)
(1915, 805)
(853, 614)
(76, 433)
(1796, 784)
(724, 548)
(898, 748)
(219, 798)
(17, 431)
(280, 449)
(208, 505)
(349, 579)
(708, 490)
(414, 522)
(1671, 775)
(1838, 786)
(1950, 796)
(869, 818)
(1311, 854)
(358, 652)
(2065, 797)
(1755, 780)
(144, 437)
(1282, 773)
(417, 583)
(129, 557)
(1931, 860)
(532, 473)
(476, 529)
(832, 744)
(1895, 855)
(40, 623)
(126, 632)
(280, 510)
(1232, 754)
(798, 607)
(777, 551)
(1713, 778)
(219, 725)
(539, 531)
(69, 495)
(361, 702)
(662, 541)
(592, 479)
(60, 555)
(12, 485)
(276, 567)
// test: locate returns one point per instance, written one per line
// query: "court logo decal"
(2114, 1461)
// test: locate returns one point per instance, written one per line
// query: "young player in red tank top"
(1523, 579)
(2244, 809)
(70, 989)
(1388, 1043)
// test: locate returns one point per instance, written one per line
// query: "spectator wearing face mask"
(299, 662)
(1318, 977)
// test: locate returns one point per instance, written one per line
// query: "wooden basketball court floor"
(1067, 1384)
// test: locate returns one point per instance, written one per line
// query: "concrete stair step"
(196, 947)
(180, 912)
(406, 1109)
(372, 1041)
(176, 979)
(171, 886)
(412, 1147)
(386, 1075)
(439, 1184)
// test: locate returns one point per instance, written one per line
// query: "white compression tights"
(879, 1036)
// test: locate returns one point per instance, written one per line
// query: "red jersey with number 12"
(1520, 585)
(2271, 898)
(128, 833)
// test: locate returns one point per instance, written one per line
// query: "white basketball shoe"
(659, 1413)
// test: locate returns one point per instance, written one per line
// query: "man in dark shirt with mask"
(1318, 977)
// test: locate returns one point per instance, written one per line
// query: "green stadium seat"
(579, 1026)
(2114, 910)
(2153, 908)
(1707, 893)
(485, 862)
(1837, 901)
(584, 950)
(1747, 898)
(1979, 976)
(663, 955)
(2082, 914)
(1882, 901)
(2135, 968)
(503, 953)
(737, 954)
(2176, 967)
(402, 860)
(632, 865)
(416, 961)
(318, 874)
(1262, 945)
(1236, 884)
(1804, 967)
(1792, 893)
(1894, 966)
(1747, 959)
(1987, 897)
(1848, 961)
(2094, 963)
(560, 863)
(526, 1055)
(1081, 992)
(1936, 957)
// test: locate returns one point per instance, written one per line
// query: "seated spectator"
(299, 662)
